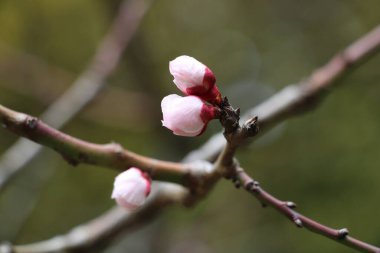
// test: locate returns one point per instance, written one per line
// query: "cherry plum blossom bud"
(194, 78)
(131, 188)
(186, 116)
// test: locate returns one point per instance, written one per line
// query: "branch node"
(298, 222)
(291, 204)
(118, 150)
(342, 233)
(256, 187)
(251, 126)
(32, 123)
(249, 185)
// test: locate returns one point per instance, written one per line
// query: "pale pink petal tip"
(194, 78)
(187, 72)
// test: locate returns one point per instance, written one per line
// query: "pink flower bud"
(194, 78)
(186, 116)
(131, 188)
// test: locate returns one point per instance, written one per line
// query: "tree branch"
(76, 151)
(287, 208)
(296, 99)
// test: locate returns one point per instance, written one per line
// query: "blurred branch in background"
(286, 103)
(84, 89)
(24, 68)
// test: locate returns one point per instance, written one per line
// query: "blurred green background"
(327, 161)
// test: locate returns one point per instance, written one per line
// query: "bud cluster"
(189, 116)
(185, 116)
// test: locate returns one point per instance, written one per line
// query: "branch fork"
(229, 118)
(235, 135)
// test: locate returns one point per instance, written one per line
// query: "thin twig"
(84, 89)
(287, 208)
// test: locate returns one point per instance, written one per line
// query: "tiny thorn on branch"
(342, 233)
(251, 127)
(291, 204)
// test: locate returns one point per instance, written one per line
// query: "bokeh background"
(327, 161)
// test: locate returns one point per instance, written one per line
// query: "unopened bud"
(194, 78)
(186, 116)
(131, 188)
